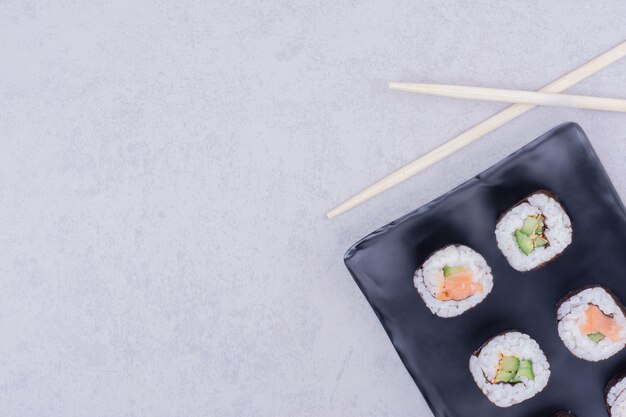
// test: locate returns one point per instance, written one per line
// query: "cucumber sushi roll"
(592, 324)
(510, 368)
(534, 232)
(453, 280)
(616, 395)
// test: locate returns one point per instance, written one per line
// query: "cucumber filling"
(596, 337)
(511, 370)
(531, 234)
(451, 270)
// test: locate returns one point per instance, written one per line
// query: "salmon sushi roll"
(534, 232)
(510, 368)
(615, 396)
(453, 280)
(592, 324)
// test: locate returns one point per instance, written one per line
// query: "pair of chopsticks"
(525, 100)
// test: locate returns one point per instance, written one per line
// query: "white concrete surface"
(165, 168)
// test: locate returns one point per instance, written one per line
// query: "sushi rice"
(428, 277)
(572, 314)
(486, 362)
(558, 231)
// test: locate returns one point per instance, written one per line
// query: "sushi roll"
(615, 395)
(453, 280)
(564, 414)
(510, 368)
(592, 324)
(534, 232)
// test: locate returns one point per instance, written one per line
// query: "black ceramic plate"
(436, 350)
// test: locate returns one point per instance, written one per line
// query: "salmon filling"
(458, 286)
(598, 325)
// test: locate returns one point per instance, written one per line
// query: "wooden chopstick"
(479, 130)
(514, 96)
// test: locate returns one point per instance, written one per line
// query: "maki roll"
(453, 280)
(510, 368)
(564, 414)
(534, 231)
(615, 395)
(592, 324)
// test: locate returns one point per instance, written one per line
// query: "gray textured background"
(165, 168)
